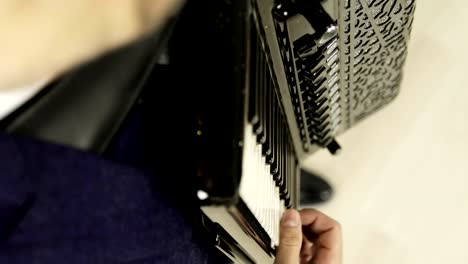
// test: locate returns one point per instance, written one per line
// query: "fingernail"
(290, 218)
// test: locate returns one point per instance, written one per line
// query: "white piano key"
(267, 201)
(258, 189)
(272, 201)
(255, 181)
(261, 187)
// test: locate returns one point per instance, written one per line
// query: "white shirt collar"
(11, 99)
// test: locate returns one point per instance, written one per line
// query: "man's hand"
(309, 236)
(43, 38)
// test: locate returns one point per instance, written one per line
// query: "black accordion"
(265, 84)
(273, 82)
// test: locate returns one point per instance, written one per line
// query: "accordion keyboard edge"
(269, 175)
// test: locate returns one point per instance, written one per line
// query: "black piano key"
(278, 149)
(253, 117)
(290, 170)
(262, 87)
(290, 176)
(285, 162)
(259, 76)
(257, 84)
(252, 112)
(274, 131)
(274, 164)
(296, 180)
(266, 113)
(296, 192)
(281, 166)
(265, 80)
(286, 165)
(269, 114)
(293, 175)
(278, 133)
(270, 134)
(276, 169)
(260, 95)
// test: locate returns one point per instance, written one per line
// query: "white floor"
(402, 179)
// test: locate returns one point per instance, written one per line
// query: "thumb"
(290, 241)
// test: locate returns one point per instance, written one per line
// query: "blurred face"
(43, 38)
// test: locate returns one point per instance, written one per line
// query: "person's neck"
(11, 99)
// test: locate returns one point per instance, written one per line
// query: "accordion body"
(284, 78)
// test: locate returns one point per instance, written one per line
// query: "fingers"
(309, 237)
(326, 234)
(290, 243)
(48, 37)
(307, 251)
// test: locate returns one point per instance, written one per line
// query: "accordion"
(265, 84)
(272, 82)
